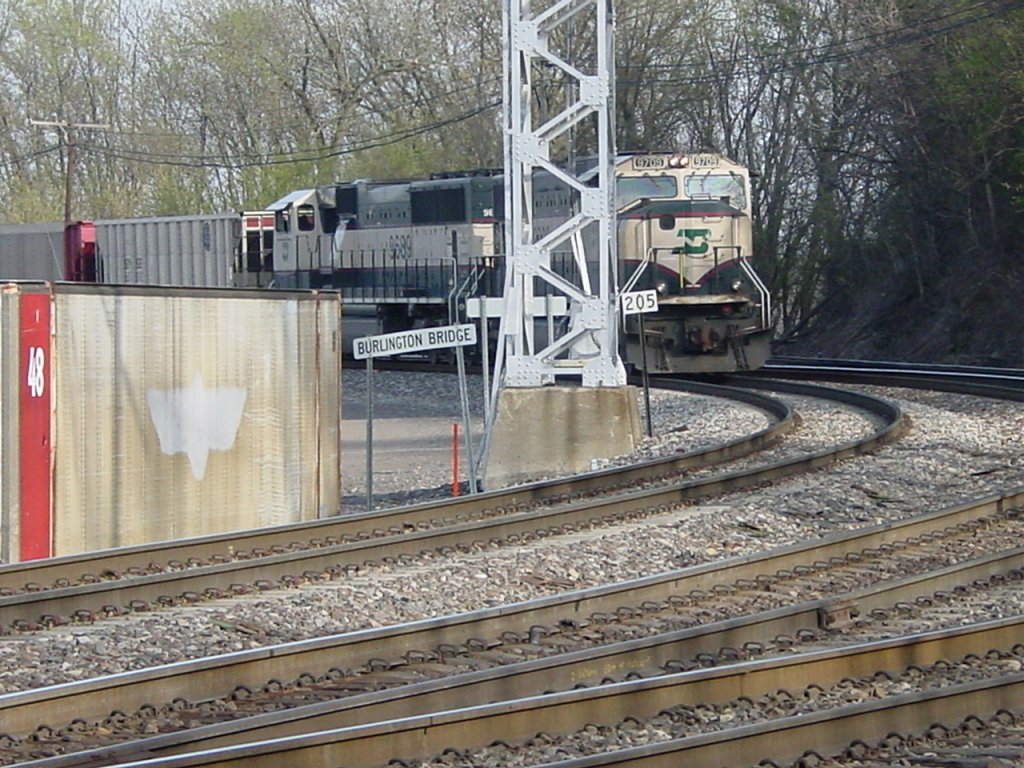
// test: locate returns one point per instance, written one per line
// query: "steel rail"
(139, 560)
(217, 676)
(790, 738)
(647, 656)
(226, 578)
(935, 368)
(1002, 384)
(787, 738)
(780, 387)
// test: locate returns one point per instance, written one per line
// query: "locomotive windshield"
(717, 186)
(630, 188)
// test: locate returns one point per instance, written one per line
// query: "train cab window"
(729, 187)
(306, 217)
(281, 219)
(347, 201)
(631, 188)
(330, 217)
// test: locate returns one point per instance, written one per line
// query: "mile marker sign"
(419, 340)
(639, 302)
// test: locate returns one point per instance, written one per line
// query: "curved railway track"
(999, 383)
(671, 704)
(113, 582)
(502, 636)
(755, 605)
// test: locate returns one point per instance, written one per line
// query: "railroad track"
(382, 662)
(115, 582)
(762, 603)
(999, 383)
(670, 704)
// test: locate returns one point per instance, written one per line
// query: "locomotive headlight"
(678, 161)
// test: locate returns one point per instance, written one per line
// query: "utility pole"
(67, 132)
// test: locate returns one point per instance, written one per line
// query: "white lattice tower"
(590, 347)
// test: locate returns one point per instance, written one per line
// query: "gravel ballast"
(958, 447)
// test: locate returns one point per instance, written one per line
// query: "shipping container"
(32, 251)
(194, 251)
(134, 414)
(169, 250)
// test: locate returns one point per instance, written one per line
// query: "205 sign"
(639, 302)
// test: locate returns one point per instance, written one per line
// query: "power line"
(67, 131)
(11, 162)
(820, 51)
(285, 158)
(887, 41)
(488, 83)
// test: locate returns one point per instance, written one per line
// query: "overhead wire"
(10, 162)
(270, 114)
(897, 35)
(283, 158)
(786, 62)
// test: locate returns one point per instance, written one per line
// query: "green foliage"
(34, 203)
(958, 159)
(415, 157)
(948, 115)
(263, 184)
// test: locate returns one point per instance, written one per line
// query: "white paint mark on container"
(196, 420)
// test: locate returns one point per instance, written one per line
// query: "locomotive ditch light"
(661, 287)
(736, 285)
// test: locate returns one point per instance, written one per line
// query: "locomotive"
(416, 250)
(409, 254)
(686, 231)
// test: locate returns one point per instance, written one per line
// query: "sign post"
(369, 434)
(408, 342)
(640, 303)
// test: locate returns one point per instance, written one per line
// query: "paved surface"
(409, 452)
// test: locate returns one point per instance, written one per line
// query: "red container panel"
(35, 451)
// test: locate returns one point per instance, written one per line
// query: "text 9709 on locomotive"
(415, 250)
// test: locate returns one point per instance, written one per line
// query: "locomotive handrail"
(383, 256)
(641, 267)
(454, 287)
(762, 289)
(471, 282)
(648, 250)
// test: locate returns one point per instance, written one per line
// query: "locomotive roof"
(289, 199)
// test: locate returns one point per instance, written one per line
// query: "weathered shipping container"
(134, 414)
(193, 251)
(169, 250)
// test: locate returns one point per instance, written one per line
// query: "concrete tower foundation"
(559, 430)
